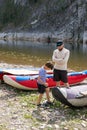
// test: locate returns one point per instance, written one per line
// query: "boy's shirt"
(42, 75)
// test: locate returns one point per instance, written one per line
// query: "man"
(60, 58)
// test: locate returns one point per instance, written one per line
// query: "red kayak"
(30, 82)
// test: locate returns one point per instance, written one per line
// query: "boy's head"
(49, 65)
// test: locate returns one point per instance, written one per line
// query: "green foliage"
(28, 116)
(12, 13)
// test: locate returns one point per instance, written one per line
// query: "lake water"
(36, 54)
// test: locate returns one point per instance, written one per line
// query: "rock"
(56, 126)
(83, 124)
(76, 129)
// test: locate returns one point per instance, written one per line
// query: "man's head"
(60, 45)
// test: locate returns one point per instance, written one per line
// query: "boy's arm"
(41, 82)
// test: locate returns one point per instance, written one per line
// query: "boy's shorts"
(41, 88)
(60, 75)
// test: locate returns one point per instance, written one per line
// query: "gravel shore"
(18, 111)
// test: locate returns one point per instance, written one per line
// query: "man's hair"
(49, 65)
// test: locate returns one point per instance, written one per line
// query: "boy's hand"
(46, 84)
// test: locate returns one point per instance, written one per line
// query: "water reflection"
(78, 57)
(36, 54)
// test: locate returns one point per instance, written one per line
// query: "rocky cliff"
(66, 19)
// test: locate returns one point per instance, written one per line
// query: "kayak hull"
(71, 97)
(30, 82)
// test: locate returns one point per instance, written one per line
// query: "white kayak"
(75, 96)
(20, 71)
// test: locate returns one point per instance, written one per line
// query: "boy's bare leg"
(47, 94)
(39, 98)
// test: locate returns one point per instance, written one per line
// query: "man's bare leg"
(58, 84)
(66, 85)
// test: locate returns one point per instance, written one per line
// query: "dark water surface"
(36, 54)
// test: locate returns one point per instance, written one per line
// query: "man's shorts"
(41, 88)
(60, 75)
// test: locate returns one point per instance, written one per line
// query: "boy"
(42, 84)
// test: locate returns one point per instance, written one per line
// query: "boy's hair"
(49, 65)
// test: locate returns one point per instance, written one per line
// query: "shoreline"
(12, 66)
(26, 36)
(47, 37)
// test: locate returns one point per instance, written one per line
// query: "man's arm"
(60, 61)
(65, 59)
(55, 59)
